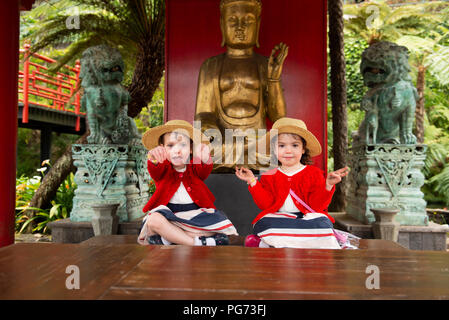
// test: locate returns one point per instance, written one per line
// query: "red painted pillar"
(9, 62)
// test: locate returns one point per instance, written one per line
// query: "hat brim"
(312, 143)
(150, 139)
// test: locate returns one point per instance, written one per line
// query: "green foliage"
(28, 149)
(440, 183)
(152, 115)
(423, 28)
(61, 205)
(439, 64)
(121, 24)
(436, 165)
(25, 188)
(376, 20)
(28, 142)
(354, 80)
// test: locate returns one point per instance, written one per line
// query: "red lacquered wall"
(9, 64)
(193, 35)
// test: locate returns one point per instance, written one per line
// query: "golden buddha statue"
(240, 89)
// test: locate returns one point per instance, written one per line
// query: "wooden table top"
(131, 271)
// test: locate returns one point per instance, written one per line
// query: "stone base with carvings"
(67, 231)
(387, 176)
(110, 174)
(430, 237)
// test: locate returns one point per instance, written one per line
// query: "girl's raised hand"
(245, 174)
(335, 177)
(158, 154)
(202, 151)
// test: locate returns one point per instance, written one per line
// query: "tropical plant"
(376, 20)
(436, 166)
(135, 27)
(356, 89)
(152, 115)
(60, 209)
(25, 189)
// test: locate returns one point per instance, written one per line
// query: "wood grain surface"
(130, 271)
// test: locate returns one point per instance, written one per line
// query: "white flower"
(35, 179)
(42, 169)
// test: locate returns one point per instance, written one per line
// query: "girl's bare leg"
(158, 224)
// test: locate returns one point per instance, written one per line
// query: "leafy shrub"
(61, 205)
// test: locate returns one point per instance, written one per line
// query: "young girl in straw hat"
(181, 210)
(294, 197)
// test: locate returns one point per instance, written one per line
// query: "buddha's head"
(240, 22)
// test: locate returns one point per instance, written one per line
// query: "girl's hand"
(157, 154)
(202, 151)
(335, 177)
(245, 175)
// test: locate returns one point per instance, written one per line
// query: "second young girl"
(294, 197)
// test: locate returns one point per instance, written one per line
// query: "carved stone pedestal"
(105, 220)
(109, 174)
(387, 176)
(385, 227)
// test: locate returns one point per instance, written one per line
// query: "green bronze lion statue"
(105, 99)
(390, 102)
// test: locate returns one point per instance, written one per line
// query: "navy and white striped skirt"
(194, 219)
(295, 230)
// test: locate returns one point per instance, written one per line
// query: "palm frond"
(440, 183)
(387, 23)
(438, 65)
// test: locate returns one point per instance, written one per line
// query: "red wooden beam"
(25, 5)
(9, 64)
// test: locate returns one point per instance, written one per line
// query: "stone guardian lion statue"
(391, 99)
(105, 99)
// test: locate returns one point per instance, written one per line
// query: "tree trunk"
(420, 111)
(147, 75)
(52, 180)
(338, 97)
(150, 63)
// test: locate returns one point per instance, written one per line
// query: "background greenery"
(423, 29)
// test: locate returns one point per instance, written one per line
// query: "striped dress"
(182, 212)
(285, 222)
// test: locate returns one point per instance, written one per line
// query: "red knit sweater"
(309, 184)
(168, 180)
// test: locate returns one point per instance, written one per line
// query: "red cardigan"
(168, 180)
(309, 184)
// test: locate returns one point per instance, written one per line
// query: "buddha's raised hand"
(276, 61)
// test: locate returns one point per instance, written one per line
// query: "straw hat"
(150, 139)
(295, 126)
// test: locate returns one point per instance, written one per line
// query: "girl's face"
(290, 149)
(177, 147)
